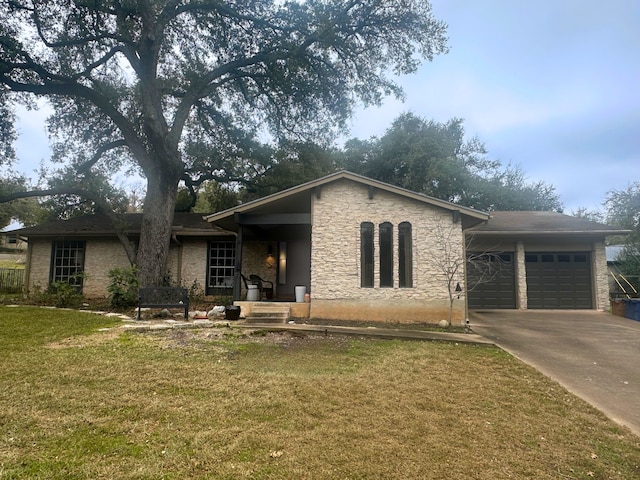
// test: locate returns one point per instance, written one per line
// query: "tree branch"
(102, 205)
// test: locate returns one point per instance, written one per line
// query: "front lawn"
(85, 403)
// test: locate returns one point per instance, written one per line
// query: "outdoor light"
(458, 289)
(271, 261)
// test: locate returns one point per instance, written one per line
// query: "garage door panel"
(558, 280)
(491, 281)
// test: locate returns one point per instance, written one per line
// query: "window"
(366, 254)
(221, 267)
(405, 260)
(67, 262)
(386, 254)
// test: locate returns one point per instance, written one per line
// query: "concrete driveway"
(592, 354)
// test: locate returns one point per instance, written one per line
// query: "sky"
(550, 85)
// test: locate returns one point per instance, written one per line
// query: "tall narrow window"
(366, 254)
(405, 259)
(221, 268)
(386, 255)
(67, 262)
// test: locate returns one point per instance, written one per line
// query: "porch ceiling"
(290, 210)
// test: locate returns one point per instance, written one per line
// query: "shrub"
(196, 293)
(123, 287)
(63, 295)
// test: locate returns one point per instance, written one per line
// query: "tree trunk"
(155, 234)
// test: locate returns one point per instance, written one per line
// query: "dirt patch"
(84, 341)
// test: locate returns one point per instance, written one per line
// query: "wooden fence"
(11, 280)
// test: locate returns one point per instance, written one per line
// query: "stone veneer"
(335, 259)
(601, 276)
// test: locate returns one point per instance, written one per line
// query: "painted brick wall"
(101, 256)
(193, 261)
(335, 271)
(186, 263)
(39, 263)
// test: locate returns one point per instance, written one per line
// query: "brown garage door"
(559, 280)
(491, 281)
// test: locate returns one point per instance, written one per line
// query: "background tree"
(25, 210)
(215, 197)
(179, 90)
(294, 163)
(435, 159)
(623, 210)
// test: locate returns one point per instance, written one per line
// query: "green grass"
(81, 403)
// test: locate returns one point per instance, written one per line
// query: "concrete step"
(269, 313)
(274, 320)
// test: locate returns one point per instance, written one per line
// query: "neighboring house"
(12, 242)
(362, 249)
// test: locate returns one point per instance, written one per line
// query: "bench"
(163, 297)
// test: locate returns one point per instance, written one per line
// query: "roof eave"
(215, 217)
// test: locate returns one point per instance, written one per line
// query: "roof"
(100, 225)
(541, 223)
(309, 186)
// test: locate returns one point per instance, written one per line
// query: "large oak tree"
(179, 89)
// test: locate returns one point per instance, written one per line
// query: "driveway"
(592, 354)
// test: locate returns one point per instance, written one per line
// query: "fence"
(11, 280)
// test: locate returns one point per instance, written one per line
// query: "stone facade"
(335, 259)
(601, 276)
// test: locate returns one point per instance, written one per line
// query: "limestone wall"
(335, 263)
(601, 276)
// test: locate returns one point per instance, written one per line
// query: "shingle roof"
(100, 224)
(537, 223)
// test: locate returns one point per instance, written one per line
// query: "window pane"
(221, 265)
(386, 255)
(405, 263)
(366, 254)
(68, 263)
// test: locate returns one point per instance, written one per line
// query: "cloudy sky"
(550, 85)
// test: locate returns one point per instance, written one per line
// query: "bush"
(123, 287)
(63, 295)
(196, 293)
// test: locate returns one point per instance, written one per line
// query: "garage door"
(559, 280)
(491, 281)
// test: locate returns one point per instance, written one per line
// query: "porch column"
(237, 286)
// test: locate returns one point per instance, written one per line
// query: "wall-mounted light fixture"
(271, 261)
(458, 289)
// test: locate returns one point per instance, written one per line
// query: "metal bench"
(163, 297)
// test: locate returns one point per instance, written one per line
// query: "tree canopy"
(179, 90)
(435, 159)
(623, 210)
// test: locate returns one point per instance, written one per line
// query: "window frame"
(67, 262)
(405, 255)
(385, 257)
(367, 255)
(220, 277)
